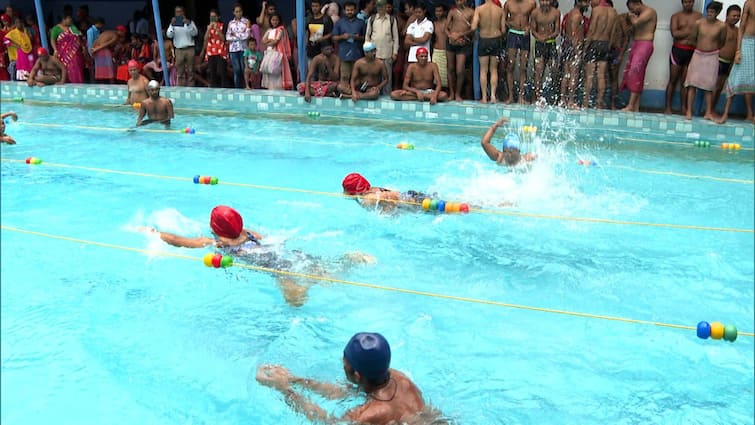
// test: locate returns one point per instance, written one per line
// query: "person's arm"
(263, 14)
(279, 378)
(142, 113)
(246, 32)
(11, 114)
(169, 32)
(436, 78)
(476, 21)
(193, 29)
(63, 72)
(384, 81)
(325, 389)
(395, 39)
(170, 110)
(556, 29)
(184, 242)
(489, 149)
(352, 80)
(368, 32)
(33, 73)
(742, 25)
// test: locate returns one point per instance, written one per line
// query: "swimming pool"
(94, 332)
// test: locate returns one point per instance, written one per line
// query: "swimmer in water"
(510, 154)
(4, 138)
(246, 245)
(386, 200)
(391, 397)
(157, 108)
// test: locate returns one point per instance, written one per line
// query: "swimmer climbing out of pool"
(510, 154)
(386, 200)
(4, 138)
(157, 108)
(246, 245)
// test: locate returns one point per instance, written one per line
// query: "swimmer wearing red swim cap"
(386, 200)
(509, 155)
(391, 396)
(137, 84)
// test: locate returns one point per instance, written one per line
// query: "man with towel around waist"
(644, 20)
(741, 80)
(702, 72)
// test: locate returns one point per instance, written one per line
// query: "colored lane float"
(587, 163)
(529, 129)
(405, 146)
(731, 146)
(217, 260)
(716, 330)
(136, 105)
(701, 143)
(205, 180)
(444, 207)
(313, 115)
(33, 160)
(188, 130)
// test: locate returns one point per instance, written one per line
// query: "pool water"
(95, 332)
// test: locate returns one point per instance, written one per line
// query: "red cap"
(355, 184)
(5, 18)
(422, 50)
(121, 28)
(226, 222)
(41, 51)
(133, 64)
(497, 3)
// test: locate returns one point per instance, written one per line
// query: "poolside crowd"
(368, 50)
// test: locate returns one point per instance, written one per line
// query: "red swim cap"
(121, 28)
(133, 64)
(422, 50)
(41, 51)
(226, 222)
(355, 184)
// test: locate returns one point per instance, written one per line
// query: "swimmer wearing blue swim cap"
(391, 396)
(510, 153)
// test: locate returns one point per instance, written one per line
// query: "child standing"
(252, 59)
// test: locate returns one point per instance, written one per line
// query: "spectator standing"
(317, 30)
(349, 33)
(69, 49)
(419, 32)
(382, 31)
(183, 30)
(215, 52)
(239, 31)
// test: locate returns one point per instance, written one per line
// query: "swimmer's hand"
(146, 229)
(501, 121)
(7, 140)
(273, 376)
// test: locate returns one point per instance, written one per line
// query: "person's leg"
(389, 72)
(727, 106)
(493, 66)
(451, 72)
(512, 56)
(294, 293)
(461, 60)
(748, 105)
(602, 69)
(524, 56)
(484, 65)
(710, 113)
(237, 61)
(589, 80)
(539, 72)
(675, 72)
(690, 101)
(212, 70)
(190, 67)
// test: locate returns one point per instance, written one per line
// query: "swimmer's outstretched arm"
(182, 241)
(489, 149)
(279, 378)
(325, 389)
(9, 114)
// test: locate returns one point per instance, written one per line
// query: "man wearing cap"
(102, 52)
(368, 77)
(382, 31)
(391, 396)
(182, 30)
(323, 73)
(510, 154)
(421, 82)
(48, 70)
(156, 107)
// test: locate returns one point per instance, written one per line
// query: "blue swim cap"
(369, 354)
(511, 141)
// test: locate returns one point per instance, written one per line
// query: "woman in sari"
(276, 73)
(19, 50)
(66, 40)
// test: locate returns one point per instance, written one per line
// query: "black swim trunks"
(724, 68)
(681, 54)
(546, 50)
(457, 49)
(489, 46)
(598, 51)
(517, 40)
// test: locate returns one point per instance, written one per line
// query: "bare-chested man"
(439, 43)
(157, 108)
(136, 84)
(545, 23)
(422, 81)
(102, 53)
(644, 20)
(573, 36)
(619, 44)
(682, 29)
(740, 79)
(598, 50)
(702, 72)
(368, 77)
(458, 46)
(488, 18)
(47, 71)
(323, 73)
(726, 55)
(517, 15)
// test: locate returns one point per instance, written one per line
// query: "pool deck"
(614, 124)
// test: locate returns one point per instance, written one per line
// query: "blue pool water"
(95, 333)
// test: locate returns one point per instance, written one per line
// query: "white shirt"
(417, 30)
(239, 31)
(183, 36)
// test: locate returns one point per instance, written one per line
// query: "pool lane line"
(113, 129)
(364, 284)
(687, 176)
(660, 142)
(415, 204)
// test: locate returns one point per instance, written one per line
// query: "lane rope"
(341, 195)
(367, 285)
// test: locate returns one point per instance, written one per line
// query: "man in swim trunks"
(545, 24)
(644, 20)
(392, 398)
(421, 82)
(386, 200)
(683, 31)
(517, 13)
(573, 35)
(488, 18)
(323, 73)
(4, 138)
(510, 154)
(368, 77)
(458, 46)
(47, 71)
(740, 81)
(726, 55)
(703, 68)
(233, 239)
(598, 51)
(157, 108)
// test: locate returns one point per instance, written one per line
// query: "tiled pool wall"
(608, 124)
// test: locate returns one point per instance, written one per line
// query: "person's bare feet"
(509, 100)
(722, 119)
(668, 111)
(711, 117)
(484, 100)
(458, 99)
(688, 117)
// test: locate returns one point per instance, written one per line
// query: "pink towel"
(634, 72)
(702, 71)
